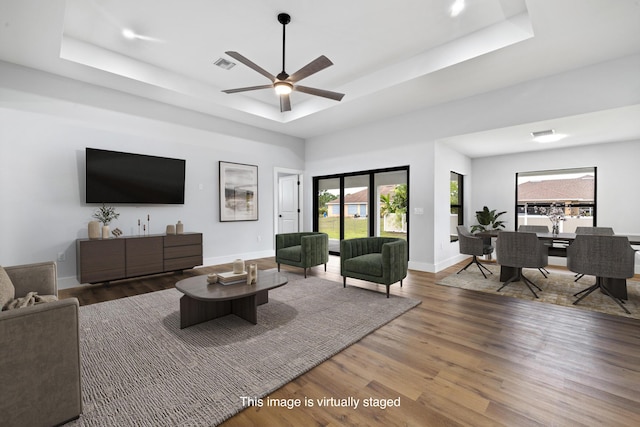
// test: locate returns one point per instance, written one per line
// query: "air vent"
(542, 133)
(223, 63)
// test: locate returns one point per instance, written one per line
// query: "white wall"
(42, 142)
(412, 139)
(617, 196)
(618, 201)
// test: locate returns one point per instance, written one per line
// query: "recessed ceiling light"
(545, 136)
(457, 7)
(129, 34)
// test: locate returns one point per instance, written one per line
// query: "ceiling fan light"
(283, 88)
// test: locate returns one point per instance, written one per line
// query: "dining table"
(557, 246)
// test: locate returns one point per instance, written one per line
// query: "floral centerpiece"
(555, 213)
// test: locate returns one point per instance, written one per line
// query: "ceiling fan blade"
(319, 92)
(285, 103)
(318, 64)
(252, 65)
(245, 89)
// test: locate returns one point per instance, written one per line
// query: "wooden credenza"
(102, 260)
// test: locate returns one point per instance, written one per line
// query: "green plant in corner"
(106, 214)
(487, 220)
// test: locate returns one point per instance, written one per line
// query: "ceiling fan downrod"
(284, 19)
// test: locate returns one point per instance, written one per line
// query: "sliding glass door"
(362, 204)
(327, 210)
(356, 206)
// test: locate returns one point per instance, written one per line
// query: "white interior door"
(288, 208)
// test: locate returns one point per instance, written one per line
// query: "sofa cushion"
(370, 264)
(7, 291)
(292, 253)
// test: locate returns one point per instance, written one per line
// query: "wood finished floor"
(461, 358)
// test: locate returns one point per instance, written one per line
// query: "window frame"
(563, 171)
(460, 205)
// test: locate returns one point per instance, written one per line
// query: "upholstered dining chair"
(474, 246)
(518, 250)
(592, 231)
(606, 257)
(595, 231)
(537, 229)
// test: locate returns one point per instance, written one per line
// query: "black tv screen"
(115, 177)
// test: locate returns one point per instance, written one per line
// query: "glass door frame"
(373, 222)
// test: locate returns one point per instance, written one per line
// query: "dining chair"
(605, 257)
(592, 231)
(474, 246)
(537, 229)
(520, 250)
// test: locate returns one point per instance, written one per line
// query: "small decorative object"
(252, 274)
(238, 266)
(94, 229)
(117, 232)
(179, 228)
(487, 220)
(171, 229)
(144, 229)
(238, 192)
(555, 212)
(148, 225)
(138, 227)
(106, 214)
(212, 278)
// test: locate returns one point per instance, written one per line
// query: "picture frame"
(238, 192)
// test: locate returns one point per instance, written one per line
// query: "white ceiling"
(389, 58)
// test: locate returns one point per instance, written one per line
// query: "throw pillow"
(7, 291)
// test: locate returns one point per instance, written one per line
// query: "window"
(455, 193)
(573, 190)
(362, 204)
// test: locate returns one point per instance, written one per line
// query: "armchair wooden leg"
(344, 282)
(400, 283)
(305, 272)
(278, 267)
(388, 291)
(325, 267)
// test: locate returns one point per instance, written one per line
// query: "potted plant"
(487, 220)
(105, 215)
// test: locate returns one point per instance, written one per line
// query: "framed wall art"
(238, 192)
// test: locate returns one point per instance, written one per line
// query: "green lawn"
(353, 227)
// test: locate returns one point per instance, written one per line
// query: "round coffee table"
(203, 301)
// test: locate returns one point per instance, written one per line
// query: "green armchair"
(304, 249)
(375, 259)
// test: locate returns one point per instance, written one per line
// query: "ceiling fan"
(284, 83)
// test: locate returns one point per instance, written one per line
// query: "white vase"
(238, 266)
(94, 229)
(105, 231)
(179, 227)
(171, 229)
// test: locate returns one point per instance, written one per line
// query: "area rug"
(139, 368)
(558, 289)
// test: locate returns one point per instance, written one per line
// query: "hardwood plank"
(461, 358)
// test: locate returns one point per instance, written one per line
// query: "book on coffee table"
(231, 277)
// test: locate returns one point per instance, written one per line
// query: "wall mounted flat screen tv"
(116, 177)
